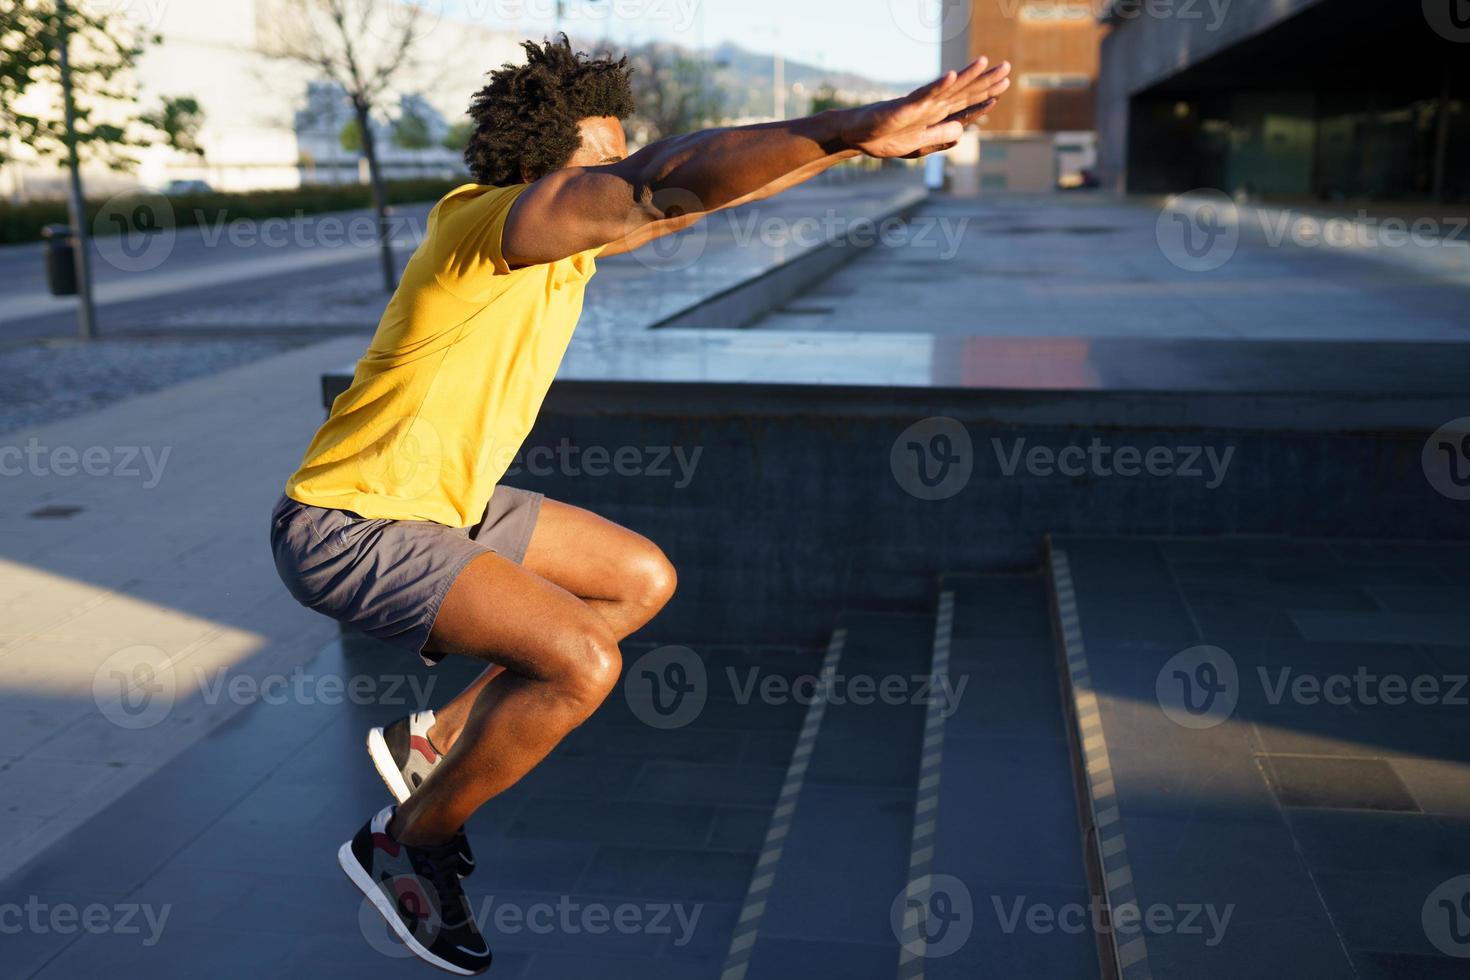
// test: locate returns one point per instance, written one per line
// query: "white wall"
(209, 50)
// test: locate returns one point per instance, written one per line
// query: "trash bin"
(61, 260)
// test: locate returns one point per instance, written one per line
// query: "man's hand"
(930, 118)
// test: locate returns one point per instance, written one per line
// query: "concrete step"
(997, 860)
(821, 899)
(934, 833)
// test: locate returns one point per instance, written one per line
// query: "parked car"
(183, 188)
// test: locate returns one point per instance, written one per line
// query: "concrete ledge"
(1243, 386)
(746, 302)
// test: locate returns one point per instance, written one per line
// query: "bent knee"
(592, 665)
(652, 578)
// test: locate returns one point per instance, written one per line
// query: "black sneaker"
(417, 890)
(404, 757)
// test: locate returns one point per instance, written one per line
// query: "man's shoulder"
(472, 217)
(477, 197)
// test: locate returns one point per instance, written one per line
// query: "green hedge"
(23, 222)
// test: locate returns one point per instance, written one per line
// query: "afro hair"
(526, 118)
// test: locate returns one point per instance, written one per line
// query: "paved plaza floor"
(1278, 740)
(1084, 266)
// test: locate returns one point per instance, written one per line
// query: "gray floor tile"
(615, 822)
(844, 863)
(778, 958)
(1284, 951)
(668, 875)
(1339, 783)
(1443, 628)
(740, 828)
(1021, 930)
(1381, 912)
(670, 782)
(1361, 842)
(1250, 868)
(1439, 786)
(588, 966)
(1007, 812)
(1377, 965)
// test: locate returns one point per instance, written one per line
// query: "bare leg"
(558, 655)
(620, 574)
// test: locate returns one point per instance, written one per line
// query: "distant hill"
(745, 80)
(751, 71)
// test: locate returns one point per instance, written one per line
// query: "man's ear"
(526, 176)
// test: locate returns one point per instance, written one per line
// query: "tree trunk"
(380, 197)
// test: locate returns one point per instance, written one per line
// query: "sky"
(882, 39)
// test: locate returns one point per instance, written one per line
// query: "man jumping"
(395, 525)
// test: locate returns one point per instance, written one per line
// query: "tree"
(674, 92)
(413, 129)
(458, 136)
(179, 118)
(104, 52)
(82, 60)
(350, 139)
(826, 97)
(363, 48)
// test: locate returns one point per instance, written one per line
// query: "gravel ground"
(336, 301)
(49, 380)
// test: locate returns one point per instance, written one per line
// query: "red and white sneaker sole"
(384, 905)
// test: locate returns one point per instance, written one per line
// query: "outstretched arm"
(658, 229)
(675, 182)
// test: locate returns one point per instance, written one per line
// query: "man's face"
(603, 142)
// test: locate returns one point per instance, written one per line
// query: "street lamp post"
(76, 203)
(778, 72)
(561, 11)
(778, 82)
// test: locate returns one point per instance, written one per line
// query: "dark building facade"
(1324, 99)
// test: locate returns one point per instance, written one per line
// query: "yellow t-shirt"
(454, 377)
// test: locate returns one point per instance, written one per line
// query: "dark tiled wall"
(789, 520)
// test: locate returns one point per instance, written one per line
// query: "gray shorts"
(388, 578)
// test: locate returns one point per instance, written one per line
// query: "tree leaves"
(104, 52)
